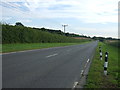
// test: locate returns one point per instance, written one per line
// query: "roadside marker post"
(106, 63)
(100, 54)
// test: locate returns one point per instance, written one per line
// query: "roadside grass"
(96, 78)
(30, 46)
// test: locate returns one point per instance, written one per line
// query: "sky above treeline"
(87, 17)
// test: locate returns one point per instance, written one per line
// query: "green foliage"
(115, 43)
(62, 33)
(20, 34)
(99, 38)
(19, 24)
(96, 77)
(103, 39)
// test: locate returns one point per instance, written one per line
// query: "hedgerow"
(21, 34)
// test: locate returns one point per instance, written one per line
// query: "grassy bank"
(26, 46)
(96, 78)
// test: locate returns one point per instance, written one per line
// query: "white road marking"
(52, 55)
(88, 60)
(75, 84)
(85, 65)
(82, 71)
(24, 51)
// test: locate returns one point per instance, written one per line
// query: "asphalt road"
(58, 67)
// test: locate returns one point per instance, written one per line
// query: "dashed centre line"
(51, 55)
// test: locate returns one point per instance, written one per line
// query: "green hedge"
(20, 34)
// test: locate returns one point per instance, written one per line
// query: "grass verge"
(30, 46)
(96, 78)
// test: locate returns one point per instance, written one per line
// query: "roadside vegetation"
(19, 38)
(20, 34)
(96, 77)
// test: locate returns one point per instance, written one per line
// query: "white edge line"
(82, 71)
(85, 64)
(52, 55)
(75, 84)
(88, 60)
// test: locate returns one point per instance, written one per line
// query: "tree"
(18, 24)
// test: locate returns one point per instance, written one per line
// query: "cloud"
(88, 11)
(106, 32)
(24, 21)
(5, 18)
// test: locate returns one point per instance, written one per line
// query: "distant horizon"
(90, 17)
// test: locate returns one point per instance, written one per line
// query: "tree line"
(21, 34)
(54, 31)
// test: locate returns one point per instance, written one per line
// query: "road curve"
(58, 67)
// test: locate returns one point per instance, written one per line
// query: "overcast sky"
(88, 17)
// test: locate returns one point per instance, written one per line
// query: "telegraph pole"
(64, 27)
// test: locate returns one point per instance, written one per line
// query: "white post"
(100, 54)
(106, 63)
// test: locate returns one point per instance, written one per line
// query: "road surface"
(58, 67)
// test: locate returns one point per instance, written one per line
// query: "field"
(29, 46)
(96, 77)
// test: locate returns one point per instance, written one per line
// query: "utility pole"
(64, 27)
